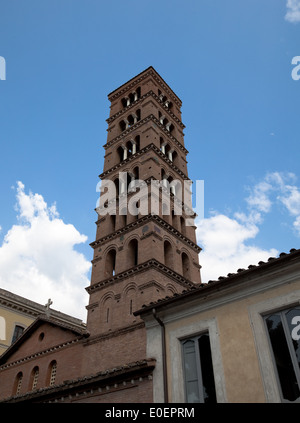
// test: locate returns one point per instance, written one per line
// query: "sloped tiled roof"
(223, 281)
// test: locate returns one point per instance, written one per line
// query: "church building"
(145, 249)
(154, 332)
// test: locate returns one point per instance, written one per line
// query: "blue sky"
(229, 62)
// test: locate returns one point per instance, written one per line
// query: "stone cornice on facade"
(154, 264)
(20, 304)
(103, 382)
(138, 154)
(142, 122)
(142, 221)
(135, 103)
(138, 79)
(224, 282)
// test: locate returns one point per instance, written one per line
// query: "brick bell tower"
(150, 253)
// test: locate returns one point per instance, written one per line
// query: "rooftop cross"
(48, 304)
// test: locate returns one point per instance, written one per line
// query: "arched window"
(18, 383)
(110, 264)
(132, 253)
(185, 266)
(112, 222)
(117, 185)
(129, 148)
(123, 125)
(175, 158)
(34, 378)
(123, 218)
(120, 151)
(51, 374)
(168, 254)
(132, 177)
(137, 144)
(174, 220)
(124, 102)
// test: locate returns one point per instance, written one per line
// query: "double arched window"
(129, 148)
(131, 98)
(166, 122)
(130, 120)
(168, 151)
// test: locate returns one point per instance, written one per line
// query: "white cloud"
(224, 243)
(293, 11)
(38, 260)
(228, 243)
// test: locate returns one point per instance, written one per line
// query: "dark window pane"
(286, 374)
(17, 333)
(209, 390)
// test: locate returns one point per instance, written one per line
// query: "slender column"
(168, 126)
(133, 147)
(165, 181)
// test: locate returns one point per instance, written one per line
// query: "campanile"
(145, 246)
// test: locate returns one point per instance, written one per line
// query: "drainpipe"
(164, 358)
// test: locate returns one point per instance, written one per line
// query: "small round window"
(41, 337)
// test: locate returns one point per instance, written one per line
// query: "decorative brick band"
(150, 93)
(138, 269)
(142, 221)
(140, 123)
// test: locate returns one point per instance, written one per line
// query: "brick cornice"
(141, 222)
(138, 154)
(138, 79)
(135, 103)
(142, 122)
(150, 264)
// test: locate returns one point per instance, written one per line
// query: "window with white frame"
(198, 370)
(283, 328)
